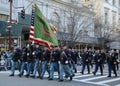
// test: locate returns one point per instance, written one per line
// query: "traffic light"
(23, 13)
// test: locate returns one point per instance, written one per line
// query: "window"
(119, 21)
(106, 0)
(77, 1)
(3, 17)
(87, 0)
(113, 19)
(119, 3)
(55, 20)
(106, 17)
(113, 2)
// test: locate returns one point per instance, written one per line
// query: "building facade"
(73, 20)
(4, 18)
(108, 15)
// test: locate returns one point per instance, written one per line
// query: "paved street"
(39, 34)
(79, 80)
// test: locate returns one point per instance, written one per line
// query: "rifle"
(70, 64)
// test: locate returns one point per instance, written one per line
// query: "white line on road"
(89, 82)
(79, 75)
(107, 81)
(94, 78)
(117, 85)
(83, 76)
(6, 72)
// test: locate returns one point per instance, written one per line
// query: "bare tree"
(78, 24)
(103, 31)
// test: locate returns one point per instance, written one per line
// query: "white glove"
(33, 53)
(27, 54)
(58, 62)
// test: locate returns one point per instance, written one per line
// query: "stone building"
(73, 20)
(108, 20)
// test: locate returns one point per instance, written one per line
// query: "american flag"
(32, 29)
(31, 36)
(43, 38)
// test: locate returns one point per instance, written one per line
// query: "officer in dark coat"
(15, 57)
(23, 59)
(73, 59)
(76, 57)
(30, 60)
(111, 60)
(45, 60)
(117, 57)
(55, 54)
(85, 61)
(37, 55)
(65, 64)
(90, 53)
(98, 62)
(103, 55)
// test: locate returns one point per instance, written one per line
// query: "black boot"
(82, 73)
(11, 75)
(94, 73)
(71, 78)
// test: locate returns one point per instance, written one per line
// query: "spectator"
(8, 59)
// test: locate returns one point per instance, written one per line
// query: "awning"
(16, 29)
(26, 20)
(3, 28)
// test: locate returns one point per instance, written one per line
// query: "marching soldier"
(23, 59)
(72, 59)
(37, 55)
(117, 57)
(65, 64)
(55, 54)
(76, 57)
(111, 60)
(85, 61)
(30, 60)
(98, 62)
(103, 55)
(15, 57)
(45, 60)
(90, 53)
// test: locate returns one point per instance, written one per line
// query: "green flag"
(43, 30)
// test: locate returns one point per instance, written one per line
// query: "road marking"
(117, 85)
(94, 78)
(88, 79)
(79, 75)
(83, 75)
(79, 78)
(107, 81)
(89, 82)
(5, 72)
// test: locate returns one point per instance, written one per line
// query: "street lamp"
(9, 26)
